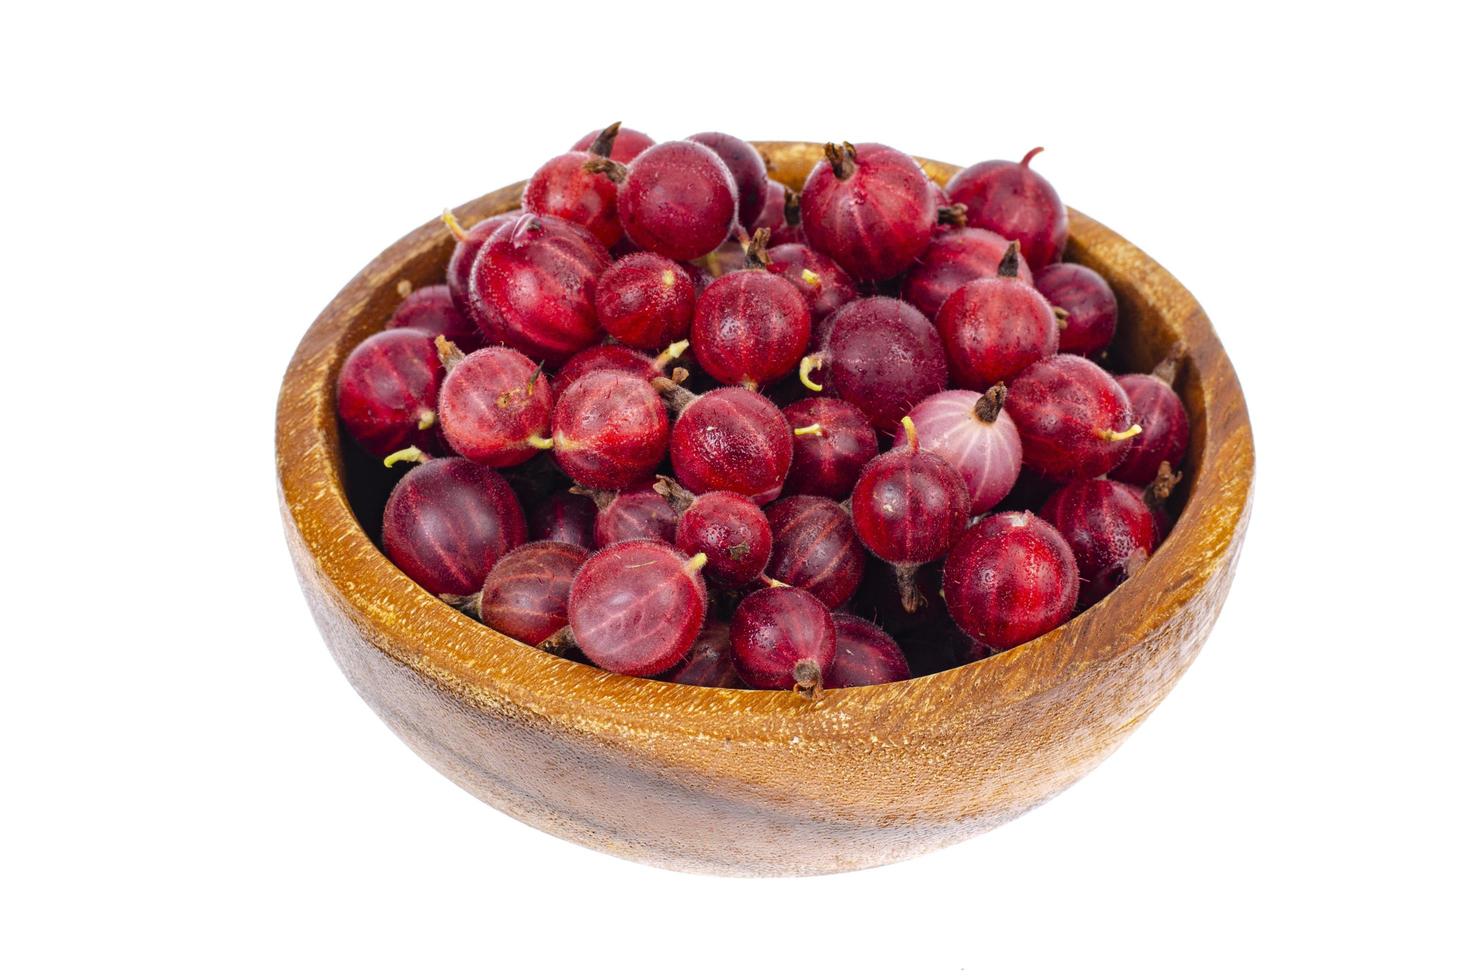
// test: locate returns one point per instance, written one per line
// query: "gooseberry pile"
(674, 419)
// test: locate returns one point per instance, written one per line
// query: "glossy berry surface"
(909, 507)
(677, 199)
(881, 355)
(865, 655)
(636, 607)
(782, 638)
(495, 407)
(568, 518)
(710, 662)
(975, 435)
(460, 265)
(732, 531)
(1011, 578)
(1073, 419)
(625, 148)
(822, 282)
(1086, 298)
(870, 208)
(609, 430)
(1017, 203)
(814, 548)
(526, 591)
(610, 357)
(750, 328)
(430, 310)
(994, 327)
(747, 166)
(564, 188)
(645, 300)
(732, 439)
(635, 515)
(1165, 429)
(955, 257)
(447, 521)
(387, 392)
(534, 287)
(831, 442)
(1109, 528)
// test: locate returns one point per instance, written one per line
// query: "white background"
(191, 789)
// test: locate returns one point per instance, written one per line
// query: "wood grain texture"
(751, 782)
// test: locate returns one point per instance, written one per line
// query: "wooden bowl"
(752, 782)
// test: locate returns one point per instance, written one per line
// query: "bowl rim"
(495, 672)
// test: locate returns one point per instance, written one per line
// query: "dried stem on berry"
(756, 256)
(602, 145)
(1166, 481)
(989, 405)
(670, 490)
(1008, 267)
(560, 642)
(808, 677)
(953, 215)
(841, 158)
(448, 352)
(672, 391)
(607, 168)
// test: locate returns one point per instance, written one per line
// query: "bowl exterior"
(749, 782)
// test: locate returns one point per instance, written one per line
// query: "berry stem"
(601, 146)
(1061, 318)
(809, 364)
(989, 405)
(1030, 155)
(542, 442)
(811, 278)
(468, 605)
(815, 429)
(427, 420)
(1159, 489)
(408, 455)
(450, 220)
(1167, 370)
(1008, 267)
(1130, 433)
(561, 641)
(696, 563)
(910, 433)
(841, 159)
(448, 352)
(756, 256)
(670, 353)
(808, 678)
(674, 395)
(601, 498)
(910, 596)
(791, 210)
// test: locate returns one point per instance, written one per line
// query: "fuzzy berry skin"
(814, 548)
(1011, 578)
(677, 199)
(387, 392)
(1109, 528)
(993, 328)
(909, 507)
(1087, 298)
(775, 630)
(710, 663)
(564, 188)
(447, 521)
(955, 257)
(1015, 202)
(430, 310)
(820, 280)
(534, 287)
(1074, 420)
(883, 356)
(748, 168)
(645, 300)
(732, 439)
(495, 407)
(785, 223)
(607, 357)
(525, 594)
(865, 655)
(831, 441)
(460, 269)
(625, 148)
(1164, 428)
(979, 440)
(636, 607)
(564, 517)
(732, 531)
(636, 515)
(610, 431)
(750, 328)
(870, 208)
